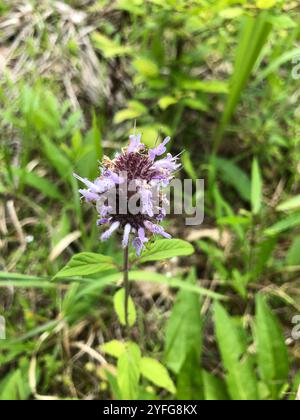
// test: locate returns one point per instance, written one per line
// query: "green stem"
(126, 284)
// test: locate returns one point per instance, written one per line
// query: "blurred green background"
(221, 77)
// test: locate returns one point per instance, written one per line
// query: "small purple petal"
(106, 235)
(142, 235)
(162, 214)
(135, 143)
(103, 221)
(169, 163)
(115, 178)
(104, 210)
(158, 230)
(88, 183)
(159, 150)
(100, 185)
(146, 200)
(139, 242)
(127, 231)
(163, 179)
(104, 184)
(136, 243)
(89, 196)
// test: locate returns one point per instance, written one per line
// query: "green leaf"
(256, 188)
(231, 174)
(109, 47)
(195, 103)
(49, 327)
(285, 224)
(166, 101)
(150, 135)
(296, 388)
(114, 348)
(291, 204)
(2, 188)
(293, 255)
(14, 387)
(127, 114)
(262, 254)
(240, 375)
(231, 345)
(190, 380)
(86, 263)
(32, 284)
(167, 248)
(113, 382)
(134, 7)
(95, 285)
(239, 282)
(88, 153)
(39, 183)
(24, 281)
(282, 21)
(214, 388)
(156, 373)
(266, 4)
(212, 86)
(207, 86)
(146, 67)
(18, 276)
(119, 305)
(232, 13)
(57, 158)
(183, 329)
(173, 282)
(234, 221)
(274, 66)
(135, 109)
(253, 37)
(129, 370)
(188, 165)
(97, 138)
(272, 351)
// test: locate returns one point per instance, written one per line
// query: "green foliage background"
(211, 312)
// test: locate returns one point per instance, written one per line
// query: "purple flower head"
(135, 165)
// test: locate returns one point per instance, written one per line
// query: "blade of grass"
(253, 37)
(286, 57)
(256, 188)
(96, 285)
